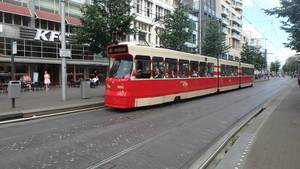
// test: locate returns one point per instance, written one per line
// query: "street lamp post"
(63, 47)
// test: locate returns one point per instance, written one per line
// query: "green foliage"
(274, 66)
(214, 42)
(177, 29)
(291, 67)
(253, 55)
(103, 21)
(291, 11)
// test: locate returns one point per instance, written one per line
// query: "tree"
(103, 21)
(289, 9)
(275, 66)
(291, 67)
(177, 28)
(253, 55)
(214, 42)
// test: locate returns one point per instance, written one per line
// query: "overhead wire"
(273, 29)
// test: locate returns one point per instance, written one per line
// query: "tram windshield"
(121, 68)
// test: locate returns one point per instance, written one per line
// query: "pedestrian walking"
(47, 80)
(298, 79)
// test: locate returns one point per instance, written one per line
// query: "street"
(162, 136)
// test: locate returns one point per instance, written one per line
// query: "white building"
(148, 12)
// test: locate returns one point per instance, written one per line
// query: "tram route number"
(64, 52)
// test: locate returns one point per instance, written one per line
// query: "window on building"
(51, 25)
(26, 21)
(138, 6)
(158, 12)
(43, 24)
(8, 18)
(72, 10)
(1, 16)
(148, 9)
(76, 52)
(166, 12)
(17, 19)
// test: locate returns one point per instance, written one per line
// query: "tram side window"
(223, 70)
(251, 71)
(244, 73)
(233, 70)
(210, 72)
(248, 71)
(171, 68)
(158, 67)
(142, 66)
(183, 68)
(203, 69)
(194, 69)
(236, 72)
(228, 70)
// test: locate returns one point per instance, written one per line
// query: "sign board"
(65, 53)
(14, 47)
(35, 76)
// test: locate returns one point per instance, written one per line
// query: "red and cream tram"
(142, 76)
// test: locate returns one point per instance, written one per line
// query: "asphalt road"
(163, 136)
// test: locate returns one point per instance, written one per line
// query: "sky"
(258, 24)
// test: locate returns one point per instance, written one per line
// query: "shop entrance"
(52, 69)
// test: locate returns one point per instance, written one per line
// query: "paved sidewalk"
(37, 101)
(272, 140)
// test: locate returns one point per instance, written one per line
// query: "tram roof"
(137, 49)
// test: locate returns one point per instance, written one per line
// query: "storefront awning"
(47, 16)
(73, 21)
(14, 9)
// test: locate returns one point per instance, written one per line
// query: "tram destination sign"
(117, 49)
(66, 53)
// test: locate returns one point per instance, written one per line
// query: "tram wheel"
(177, 99)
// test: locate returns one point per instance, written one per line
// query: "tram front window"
(121, 68)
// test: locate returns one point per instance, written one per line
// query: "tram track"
(135, 117)
(203, 157)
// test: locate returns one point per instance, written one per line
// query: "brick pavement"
(277, 144)
(272, 140)
(274, 144)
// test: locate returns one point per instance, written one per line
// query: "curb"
(44, 111)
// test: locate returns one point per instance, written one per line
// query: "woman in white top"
(47, 80)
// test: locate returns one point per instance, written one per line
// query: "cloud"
(248, 3)
(265, 4)
(280, 55)
(251, 31)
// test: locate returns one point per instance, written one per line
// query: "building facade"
(35, 26)
(148, 13)
(232, 23)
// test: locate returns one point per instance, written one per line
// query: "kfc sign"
(45, 35)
